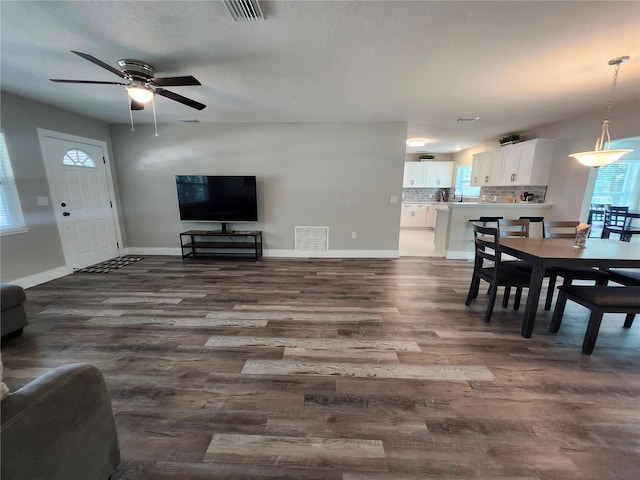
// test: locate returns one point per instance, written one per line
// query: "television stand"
(221, 244)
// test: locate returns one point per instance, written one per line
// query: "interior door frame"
(42, 134)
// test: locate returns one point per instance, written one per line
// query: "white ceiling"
(514, 64)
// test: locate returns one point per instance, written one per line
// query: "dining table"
(542, 253)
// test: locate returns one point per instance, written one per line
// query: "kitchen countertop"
(499, 205)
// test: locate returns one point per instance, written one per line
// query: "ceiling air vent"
(242, 10)
(467, 119)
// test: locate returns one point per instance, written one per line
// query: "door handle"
(65, 214)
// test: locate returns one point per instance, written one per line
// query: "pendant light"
(602, 155)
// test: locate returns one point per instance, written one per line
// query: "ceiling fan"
(141, 83)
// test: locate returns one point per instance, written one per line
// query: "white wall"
(336, 175)
(36, 256)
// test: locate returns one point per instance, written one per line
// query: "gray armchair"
(60, 426)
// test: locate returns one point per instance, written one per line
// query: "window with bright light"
(463, 182)
(11, 219)
(617, 184)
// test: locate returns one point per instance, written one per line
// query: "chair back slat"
(486, 244)
(615, 216)
(514, 228)
(560, 229)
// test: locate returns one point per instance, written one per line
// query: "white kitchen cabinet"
(413, 215)
(431, 216)
(415, 175)
(439, 174)
(525, 163)
(487, 169)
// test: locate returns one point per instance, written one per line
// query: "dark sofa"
(60, 426)
(13, 318)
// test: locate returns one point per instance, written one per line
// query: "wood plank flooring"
(336, 369)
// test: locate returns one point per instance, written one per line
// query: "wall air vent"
(315, 239)
(241, 10)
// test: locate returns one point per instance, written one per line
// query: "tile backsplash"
(501, 193)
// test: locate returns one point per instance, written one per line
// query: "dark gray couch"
(59, 427)
(13, 317)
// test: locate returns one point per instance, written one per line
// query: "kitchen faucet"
(461, 193)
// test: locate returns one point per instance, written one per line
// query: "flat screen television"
(217, 198)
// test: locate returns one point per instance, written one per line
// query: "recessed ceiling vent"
(467, 119)
(242, 10)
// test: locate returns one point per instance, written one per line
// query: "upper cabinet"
(415, 175)
(486, 169)
(439, 174)
(427, 174)
(525, 163)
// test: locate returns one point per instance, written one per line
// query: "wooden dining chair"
(488, 266)
(616, 220)
(596, 219)
(535, 226)
(567, 229)
(514, 227)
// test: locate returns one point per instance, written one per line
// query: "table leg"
(533, 297)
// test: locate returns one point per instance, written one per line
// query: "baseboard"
(41, 277)
(153, 251)
(459, 255)
(282, 253)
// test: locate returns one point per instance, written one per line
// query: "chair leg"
(558, 312)
(592, 331)
(493, 293)
(518, 297)
(473, 290)
(628, 321)
(505, 299)
(550, 289)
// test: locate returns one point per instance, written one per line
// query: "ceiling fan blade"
(179, 98)
(136, 105)
(175, 81)
(100, 63)
(86, 81)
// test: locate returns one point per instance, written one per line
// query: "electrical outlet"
(393, 199)
(353, 235)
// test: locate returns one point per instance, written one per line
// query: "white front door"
(81, 195)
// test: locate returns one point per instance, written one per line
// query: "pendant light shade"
(601, 154)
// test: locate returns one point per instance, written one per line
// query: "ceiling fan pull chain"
(155, 123)
(130, 113)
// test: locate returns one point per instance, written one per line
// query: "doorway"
(82, 195)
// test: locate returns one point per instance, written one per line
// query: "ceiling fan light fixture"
(416, 142)
(140, 93)
(601, 154)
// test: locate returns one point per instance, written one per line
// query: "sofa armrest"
(60, 426)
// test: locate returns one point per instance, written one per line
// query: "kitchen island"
(454, 234)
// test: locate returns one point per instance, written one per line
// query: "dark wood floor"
(336, 369)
